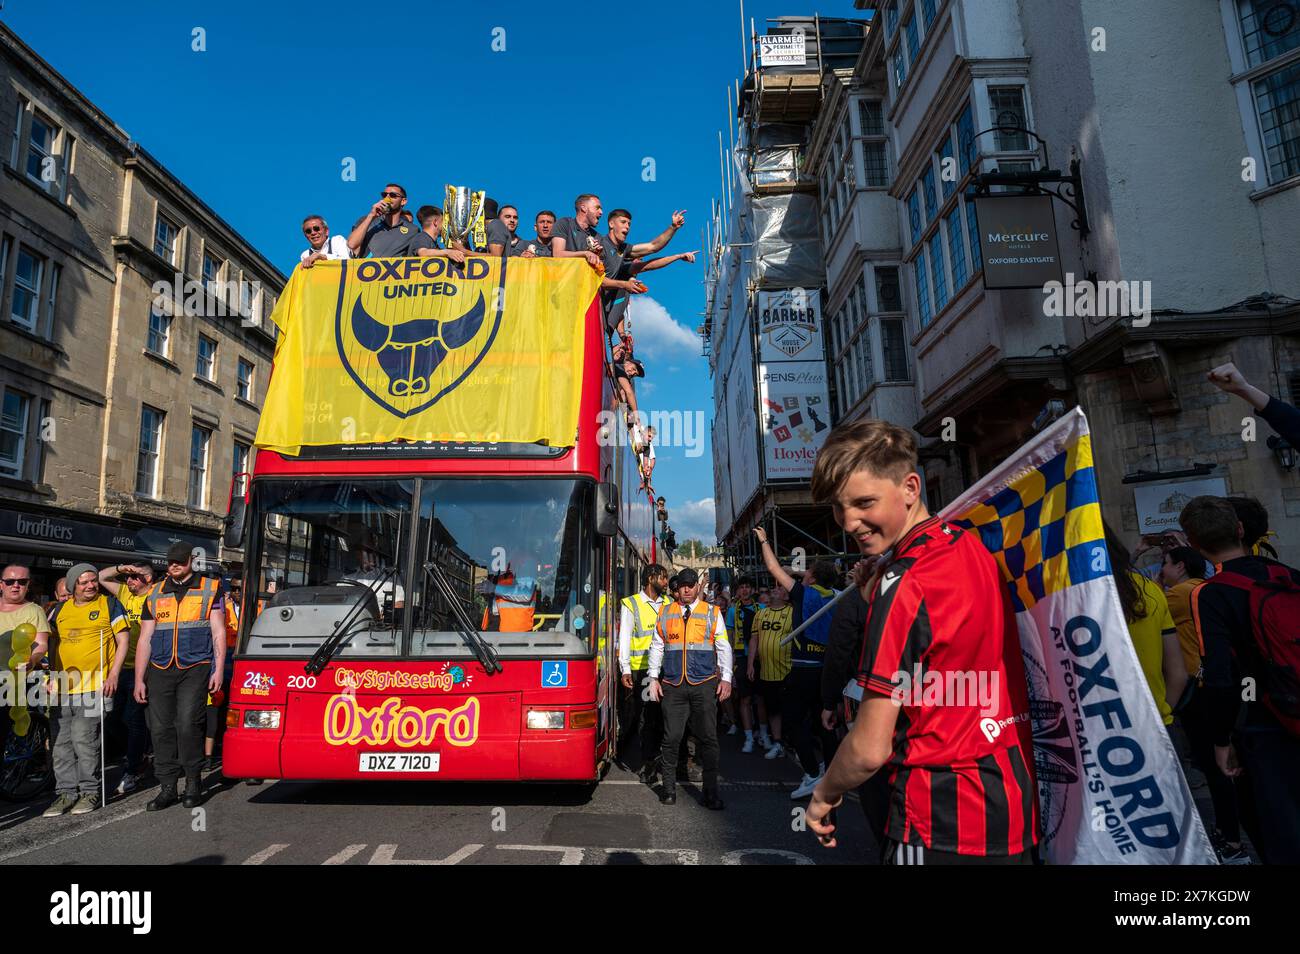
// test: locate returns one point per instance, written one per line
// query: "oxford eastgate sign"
(1017, 240)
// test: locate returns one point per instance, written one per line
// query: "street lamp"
(1283, 451)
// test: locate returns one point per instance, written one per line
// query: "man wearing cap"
(180, 659)
(90, 635)
(690, 672)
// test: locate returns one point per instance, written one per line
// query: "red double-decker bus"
(438, 611)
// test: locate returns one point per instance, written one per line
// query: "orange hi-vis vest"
(689, 652)
(511, 605)
(182, 635)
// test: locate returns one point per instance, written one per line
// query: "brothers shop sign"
(43, 533)
(1017, 240)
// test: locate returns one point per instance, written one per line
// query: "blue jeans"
(132, 716)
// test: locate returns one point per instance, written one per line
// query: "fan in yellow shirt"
(90, 639)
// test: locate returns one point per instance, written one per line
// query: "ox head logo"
(406, 357)
(409, 352)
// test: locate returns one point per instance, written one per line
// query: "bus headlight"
(586, 719)
(538, 719)
(262, 719)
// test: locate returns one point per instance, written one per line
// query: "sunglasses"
(391, 195)
(18, 582)
(313, 228)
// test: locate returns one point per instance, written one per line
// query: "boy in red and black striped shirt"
(945, 706)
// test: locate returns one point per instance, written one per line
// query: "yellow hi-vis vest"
(644, 617)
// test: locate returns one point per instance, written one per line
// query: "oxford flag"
(421, 349)
(1110, 788)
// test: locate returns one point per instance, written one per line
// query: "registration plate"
(399, 762)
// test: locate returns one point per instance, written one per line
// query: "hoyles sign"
(1017, 240)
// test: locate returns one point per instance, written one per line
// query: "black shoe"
(712, 802)
(165, 798)
(193, 793)
(667, 798)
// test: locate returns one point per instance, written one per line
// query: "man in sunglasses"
(385, 231)
(15, 610)
(320, 244)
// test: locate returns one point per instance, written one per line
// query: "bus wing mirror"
(233, 535)
(607, 509)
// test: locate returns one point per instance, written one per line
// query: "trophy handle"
(450, 198)
(477, 226)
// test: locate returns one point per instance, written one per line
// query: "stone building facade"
(126, 412)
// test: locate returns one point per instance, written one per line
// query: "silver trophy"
(462, 219)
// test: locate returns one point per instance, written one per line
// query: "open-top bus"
(438, 610)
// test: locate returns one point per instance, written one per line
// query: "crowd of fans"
(1211, 613)
(389, 230)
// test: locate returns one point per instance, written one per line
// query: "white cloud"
(656, 332)
(693, 520)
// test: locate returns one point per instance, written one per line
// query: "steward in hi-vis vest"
(180, 659)
(690, 670)
(638, 615)
(512, 604)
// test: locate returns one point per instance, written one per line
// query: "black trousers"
(801, 717)
(176, 710)
(636, 712)
(1200, 740)
(1268, 792)
(698, 706)
(895, 853)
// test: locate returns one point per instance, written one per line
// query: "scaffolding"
(763, 235)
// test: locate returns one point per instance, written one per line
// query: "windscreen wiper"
(483, 652)
(343, 629)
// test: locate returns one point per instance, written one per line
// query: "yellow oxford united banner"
(420, 349)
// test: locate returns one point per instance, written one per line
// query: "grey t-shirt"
(539, 248)
(388, 241)
(576, 238)
(498, 234)
(617, 266)
(423, 240)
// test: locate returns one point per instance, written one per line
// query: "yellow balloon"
(24, 637)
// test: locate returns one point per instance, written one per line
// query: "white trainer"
(775, 752)
(748, 747)
(805, 787)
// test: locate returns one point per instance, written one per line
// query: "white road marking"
(77, 832)
(264, 854)
(733, 857)
(571, 856)
(685, 856)
(386, 855)
(344, 856)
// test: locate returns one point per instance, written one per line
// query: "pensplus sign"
(1017, 240)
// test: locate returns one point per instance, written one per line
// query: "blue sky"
(259, 124)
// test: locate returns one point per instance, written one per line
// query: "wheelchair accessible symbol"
(555, 675)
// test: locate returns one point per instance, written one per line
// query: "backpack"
(1275, 624)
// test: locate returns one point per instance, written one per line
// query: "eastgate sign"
(1018, 240)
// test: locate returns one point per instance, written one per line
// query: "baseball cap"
(688, 577)
(179, 553)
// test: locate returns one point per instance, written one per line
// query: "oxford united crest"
(410, 331)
